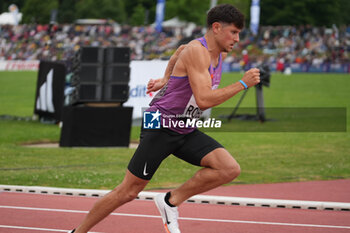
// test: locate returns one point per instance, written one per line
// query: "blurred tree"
(37, 11)
(188, 10)
(301, 12)
(284, 12)
(4, 5)
(102, 9)
(280, 12)
(138, 15)
(149, 9)
(344, 6)
(196, 10)
(150, 6)
(113, 9)
(324, 12)
(67, 11)
(242, 5)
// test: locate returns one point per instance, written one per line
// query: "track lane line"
(35, 228)
(182, 218)
(210, 199)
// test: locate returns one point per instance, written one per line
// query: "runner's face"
(228, 36)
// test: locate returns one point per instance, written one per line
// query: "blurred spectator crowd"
(284, 45)
(279, 44)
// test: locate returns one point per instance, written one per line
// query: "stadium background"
(307, 36)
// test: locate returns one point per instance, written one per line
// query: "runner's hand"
(251, 77)
(154, 85)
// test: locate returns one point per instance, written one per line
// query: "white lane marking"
(35, 228)
(146, 195)
(182, 218)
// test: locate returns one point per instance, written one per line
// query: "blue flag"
(255, 16)
(160, 14)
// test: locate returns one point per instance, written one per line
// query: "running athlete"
(189, 84)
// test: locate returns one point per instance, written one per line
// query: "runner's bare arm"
(196, 60)
(156, 84)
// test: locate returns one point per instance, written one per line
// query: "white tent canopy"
(174, 22)
(9, 18)
(178, 25)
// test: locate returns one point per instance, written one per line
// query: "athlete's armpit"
(156, 84)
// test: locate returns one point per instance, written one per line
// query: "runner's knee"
(125, 194)
(131, 195)
(230, 172)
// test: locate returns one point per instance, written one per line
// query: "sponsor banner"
(19, 65)
(141, 73)
(50, 88)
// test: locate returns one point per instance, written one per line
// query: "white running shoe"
(169, 214)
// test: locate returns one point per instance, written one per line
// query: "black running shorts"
(158, 144)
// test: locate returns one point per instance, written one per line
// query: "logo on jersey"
(151, 120)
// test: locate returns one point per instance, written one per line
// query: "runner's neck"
(213, 48)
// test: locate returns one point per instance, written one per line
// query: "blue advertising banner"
(160, 14)
(255, 16)
(294, 67)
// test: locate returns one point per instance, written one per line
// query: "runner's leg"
(154, 147)
(123, 193)
(219, 168)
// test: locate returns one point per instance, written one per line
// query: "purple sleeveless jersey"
(176, 102)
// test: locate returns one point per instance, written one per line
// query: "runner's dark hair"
(225, 13)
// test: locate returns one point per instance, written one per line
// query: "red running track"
(325, 190)
(49, 213)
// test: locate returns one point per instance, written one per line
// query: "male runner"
(190, 82)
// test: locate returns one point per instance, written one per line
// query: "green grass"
(17, 93)
(265, 157)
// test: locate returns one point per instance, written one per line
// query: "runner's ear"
(216, 27)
